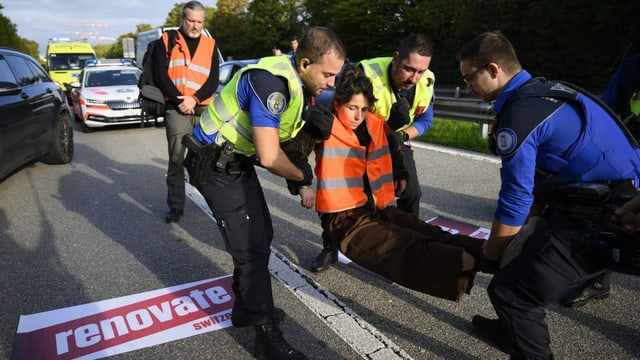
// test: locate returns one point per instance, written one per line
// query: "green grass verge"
(456, 133)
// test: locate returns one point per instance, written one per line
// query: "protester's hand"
(399, 114)
(188, 105)
(627, 214)
(319, 120)
(307, 197)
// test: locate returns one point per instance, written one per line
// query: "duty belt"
(230, 162)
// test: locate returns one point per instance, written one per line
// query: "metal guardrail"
(452, 102)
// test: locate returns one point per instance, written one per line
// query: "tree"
(270, 25)
(143, 27)
(9, 37)
(228, 27)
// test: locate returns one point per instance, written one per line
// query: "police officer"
(621, 96)
(543, 130)
(403, 87)
(258, 109)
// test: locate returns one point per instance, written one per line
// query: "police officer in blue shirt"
(261, 107)
(620, 90)
(544, 132)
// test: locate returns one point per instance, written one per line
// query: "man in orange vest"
(188, 85)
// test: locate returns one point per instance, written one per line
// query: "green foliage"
(102, 50)
(273, 23)
(580, 41)
(458, 134)
(9, 37)
(115, 50)
(174, 16)
(143, 27)
(227, 26)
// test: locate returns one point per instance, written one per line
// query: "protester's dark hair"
(415, 43)
(353, 81)
(490, 47)
(319, 41)
(192, 5)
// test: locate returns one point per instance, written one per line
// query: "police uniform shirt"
(262, 95)
(421, 122)
(545, 147)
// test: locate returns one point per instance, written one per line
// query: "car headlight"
(94, 102)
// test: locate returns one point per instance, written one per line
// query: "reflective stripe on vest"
(376, 70)
(341, 164)
(232, 124)
(188, 73)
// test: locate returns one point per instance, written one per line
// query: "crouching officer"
(624, 85)
(259, 108)
(541, 127)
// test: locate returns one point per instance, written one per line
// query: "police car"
(107, 94)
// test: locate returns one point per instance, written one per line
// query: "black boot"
(328, 256)
(492, 332)
(596, 288)
(239, 317)
(270, 345)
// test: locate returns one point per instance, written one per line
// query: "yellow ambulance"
(66, 59)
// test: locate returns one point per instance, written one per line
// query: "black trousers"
(552, 260)
(409, 201)
(239, 207)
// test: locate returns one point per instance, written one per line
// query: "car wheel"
(62, 147)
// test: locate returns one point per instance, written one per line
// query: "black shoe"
(173, 215)
(239, 320)
(492, 332)
(581, 295)
(270, 345)
(327, 257)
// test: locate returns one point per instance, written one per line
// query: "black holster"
(199, 160)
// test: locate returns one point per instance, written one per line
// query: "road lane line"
(361, 336)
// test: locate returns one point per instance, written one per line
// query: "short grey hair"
(192, 5)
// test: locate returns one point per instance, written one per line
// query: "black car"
(35, 118)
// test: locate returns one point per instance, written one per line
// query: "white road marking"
(363, 338)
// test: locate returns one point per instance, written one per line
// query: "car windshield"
(68, 61)
(112, 78)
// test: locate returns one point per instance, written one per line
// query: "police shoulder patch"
(276, 103)
(506, 141)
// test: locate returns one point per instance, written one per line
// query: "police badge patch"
(276, 103)
(506, 140)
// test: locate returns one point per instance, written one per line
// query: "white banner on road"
(115, 326)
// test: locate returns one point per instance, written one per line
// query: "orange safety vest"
(188, 73)
(341, 163)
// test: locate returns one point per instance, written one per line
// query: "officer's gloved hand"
(486, 265)
(395, 140)
(399, 114)
(318, 121)
(304, 166)
(482, 263)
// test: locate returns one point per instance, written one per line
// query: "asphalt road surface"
(94, 230)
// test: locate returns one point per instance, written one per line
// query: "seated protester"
(359, 172)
